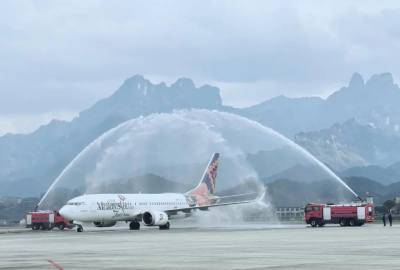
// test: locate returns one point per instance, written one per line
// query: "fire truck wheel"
(61, 226)
(342, 222)
(313, 223)
(352, 222)
(35, 227)
(79, 229)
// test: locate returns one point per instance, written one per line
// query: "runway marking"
(55, 265)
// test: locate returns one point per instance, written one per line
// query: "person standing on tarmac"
(390, 218)
(384, 219)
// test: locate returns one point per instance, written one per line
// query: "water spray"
(207, 129)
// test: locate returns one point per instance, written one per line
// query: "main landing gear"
(79, 228)
(164, 227)
(134, 225)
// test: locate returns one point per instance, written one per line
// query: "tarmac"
(254, 246)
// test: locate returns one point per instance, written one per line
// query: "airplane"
(104, 210)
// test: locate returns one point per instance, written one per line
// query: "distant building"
(397, 200)
(290, 213)
(370, 199)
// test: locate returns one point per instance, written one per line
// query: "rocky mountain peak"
(380, 81)
(183, 83)
(136, 84)
(356, 81)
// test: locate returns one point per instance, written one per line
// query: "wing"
(203, 207)
(244, 195)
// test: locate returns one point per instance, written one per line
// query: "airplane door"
(327, 213)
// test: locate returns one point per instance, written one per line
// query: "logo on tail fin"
(210, 175)
(201, 195)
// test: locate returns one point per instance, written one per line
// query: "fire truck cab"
(353, 214)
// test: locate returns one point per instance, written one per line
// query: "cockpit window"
(75, 203)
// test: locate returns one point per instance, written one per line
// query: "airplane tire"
(134, 225)
(79, 229)
(352, 222)
(165, 227)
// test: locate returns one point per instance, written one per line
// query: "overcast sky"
(59, 57)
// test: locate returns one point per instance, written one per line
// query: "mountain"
(29, 163)
(286, 115)
(384, 175)
(374, 102)
(12, 210)
(289, 193)
(352, 144)
(300, 173)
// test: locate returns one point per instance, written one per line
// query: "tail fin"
(207, 182)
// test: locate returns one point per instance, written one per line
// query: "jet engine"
(155, 218)
(104, 223)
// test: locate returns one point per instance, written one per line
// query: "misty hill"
(34, 160)
(358, 125)
(285, 192)
(383, 175)
(268, 164)
(352, 144)
(29, 163)
(287, 115)
(372, 102)
(12, 210)
(301, 173)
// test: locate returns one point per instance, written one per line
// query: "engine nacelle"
(154, 218)
(104, 223)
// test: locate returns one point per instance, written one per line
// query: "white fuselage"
(120, 207)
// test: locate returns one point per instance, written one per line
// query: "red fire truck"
(353, 214)
(46, 220)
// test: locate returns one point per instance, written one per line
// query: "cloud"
(64, 55)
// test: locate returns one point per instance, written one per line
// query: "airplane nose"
(64, 212)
